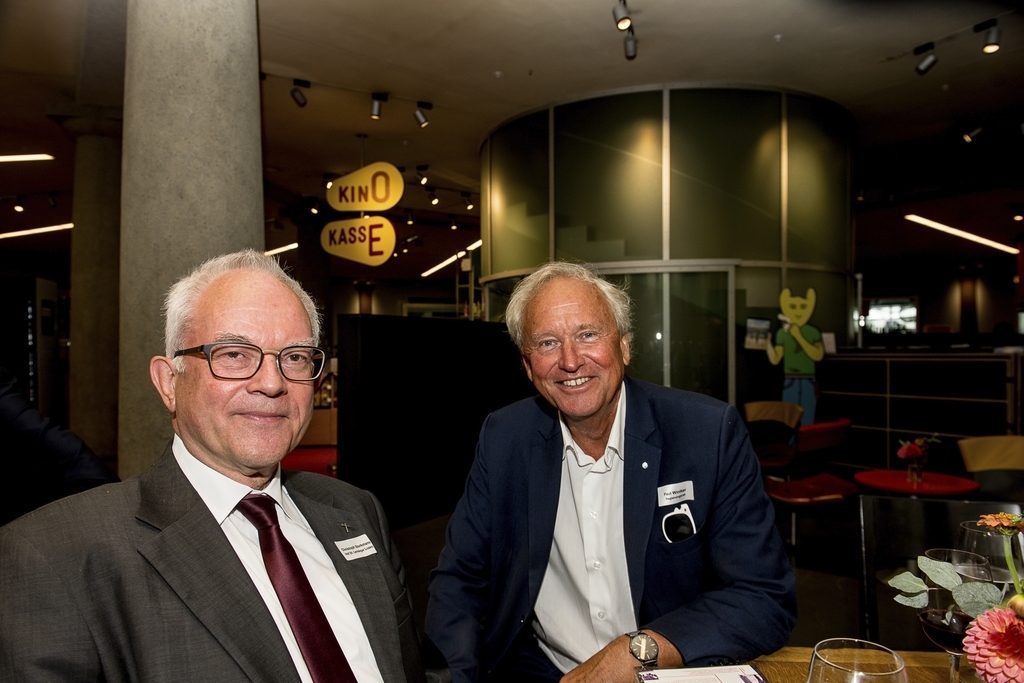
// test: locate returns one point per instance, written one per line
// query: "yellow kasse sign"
(376, 187)
(369, 240)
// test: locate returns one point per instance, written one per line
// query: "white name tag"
(357, 547)
(673, 494)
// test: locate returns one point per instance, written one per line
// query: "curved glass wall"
(705, 202)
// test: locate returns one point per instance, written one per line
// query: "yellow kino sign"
(376, 187)
(369, 240)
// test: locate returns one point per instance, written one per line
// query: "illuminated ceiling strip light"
(451, 259)
(960, 233)
(26, 157)
(279, 250)
(439, 266)
(36, 231)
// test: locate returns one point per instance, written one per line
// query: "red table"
(934, 484)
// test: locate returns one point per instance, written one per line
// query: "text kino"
(379, 188)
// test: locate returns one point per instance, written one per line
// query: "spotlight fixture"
(313, 210)
(297, 94)
(621, 15)
(421, 173)
(19, 203)
(329, 179)
(51, 198)
(630, 44)
(467, 199)
(421, 118)
(432, 195)
(408, 217)
(925, 65)
(969, 137)
(378, 99)
(451, 217)
(991, 38)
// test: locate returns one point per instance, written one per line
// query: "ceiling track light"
(297, 94)
(408, 217)
(467, 199)
(432, 196)
(991, 38)
(377, 101)
(451, 217)
(421, 173)
(19, 203)
(420, 117)
(630, 44)
(621, 15)
(969, 137)
(930, 59)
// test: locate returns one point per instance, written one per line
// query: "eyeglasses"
(234, 360)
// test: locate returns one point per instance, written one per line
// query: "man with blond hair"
(214, 564)
(608, 523)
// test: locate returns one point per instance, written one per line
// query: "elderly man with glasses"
(214, 564)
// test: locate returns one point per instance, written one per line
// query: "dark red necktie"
(324, 658)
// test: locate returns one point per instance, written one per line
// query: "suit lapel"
(545, 476)
(332, 519)
(191, 553)
(640, 483)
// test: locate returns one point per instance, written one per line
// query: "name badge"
(357, 547)
(673, 494)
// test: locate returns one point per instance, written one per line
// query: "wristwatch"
(644, 648)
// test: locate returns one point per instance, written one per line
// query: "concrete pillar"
(191, 179)
(95, 249)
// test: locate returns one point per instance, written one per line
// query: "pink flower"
(995, 646)
(909, 450)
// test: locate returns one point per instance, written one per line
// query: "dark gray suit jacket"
(137, 582)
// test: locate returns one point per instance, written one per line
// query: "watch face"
(644, 648)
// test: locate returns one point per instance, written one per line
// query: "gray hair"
(184, 294)
(527, 288)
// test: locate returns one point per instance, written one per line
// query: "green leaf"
(941, 573)
(918, 601)
(908, 583)
(977, 597)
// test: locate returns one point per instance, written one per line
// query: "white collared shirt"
(584, 601)
(221, 495)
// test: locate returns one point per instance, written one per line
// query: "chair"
(773, 428)
(818, 489)
(894, 531)
(997, 464)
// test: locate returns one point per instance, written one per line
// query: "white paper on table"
(701, 674)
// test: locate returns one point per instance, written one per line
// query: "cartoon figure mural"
(798, 346)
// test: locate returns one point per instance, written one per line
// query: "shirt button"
(593, 514)
(597, 565)
(600, 615)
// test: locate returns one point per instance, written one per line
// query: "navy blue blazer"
(724, 594)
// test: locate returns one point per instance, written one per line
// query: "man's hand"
(614, 663)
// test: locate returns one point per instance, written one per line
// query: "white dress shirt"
(221, 495)
(584, 601)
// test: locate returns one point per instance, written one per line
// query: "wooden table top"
(790, 664)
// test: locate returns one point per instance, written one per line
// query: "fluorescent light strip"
(960, 233)
(439, 266)
(37, 231)
(280, 250)
(451, 259)
(26, 157)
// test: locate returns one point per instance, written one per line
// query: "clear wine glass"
(941, 619)
(848, 660)
(991, 544)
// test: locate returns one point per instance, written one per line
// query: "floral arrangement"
(994, 642)
(916, 449)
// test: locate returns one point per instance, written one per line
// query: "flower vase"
(915, 472)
